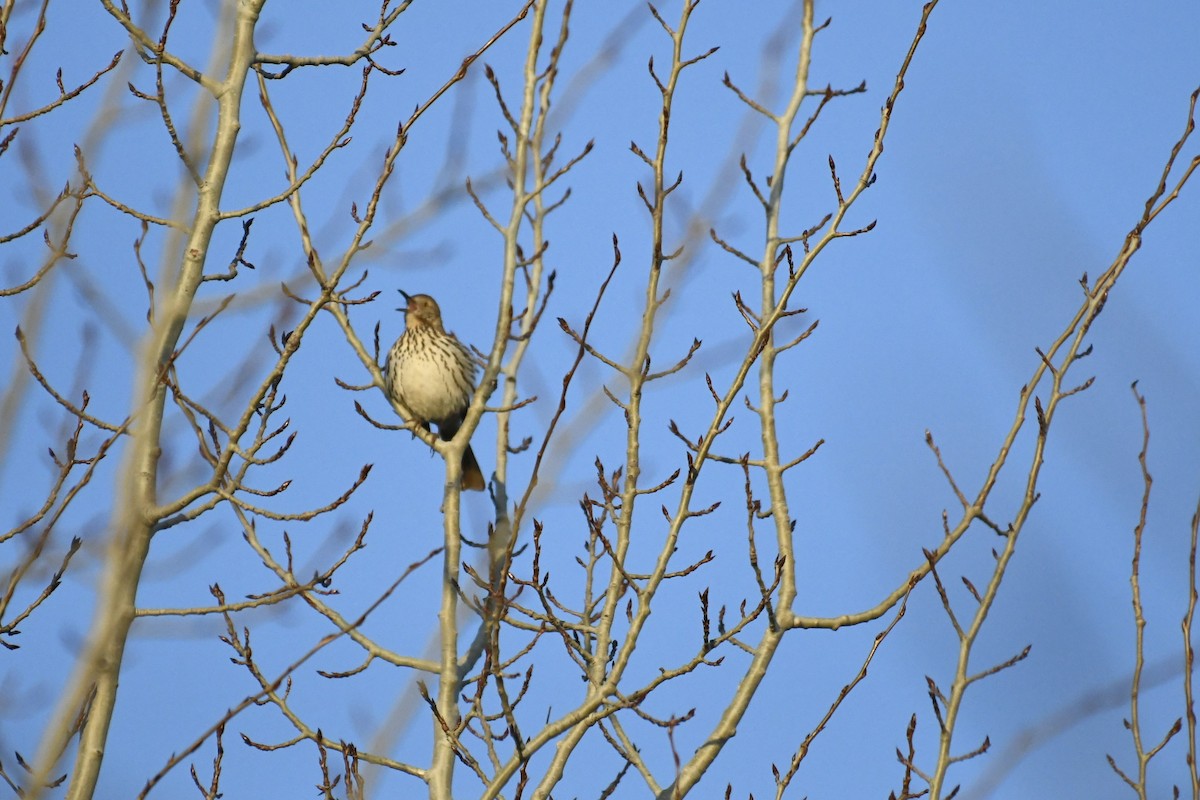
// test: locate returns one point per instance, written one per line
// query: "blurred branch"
(1110, 695)
(98, 666)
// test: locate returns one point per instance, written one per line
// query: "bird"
(433, 375)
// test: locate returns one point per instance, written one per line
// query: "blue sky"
(1021, 152)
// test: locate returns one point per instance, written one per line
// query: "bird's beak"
(407, 298)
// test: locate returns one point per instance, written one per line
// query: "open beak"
(407, 298)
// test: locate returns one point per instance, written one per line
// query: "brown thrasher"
(433, 375)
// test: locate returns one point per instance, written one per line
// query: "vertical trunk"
(96, 676)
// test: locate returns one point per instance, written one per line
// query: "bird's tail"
(472, 475)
